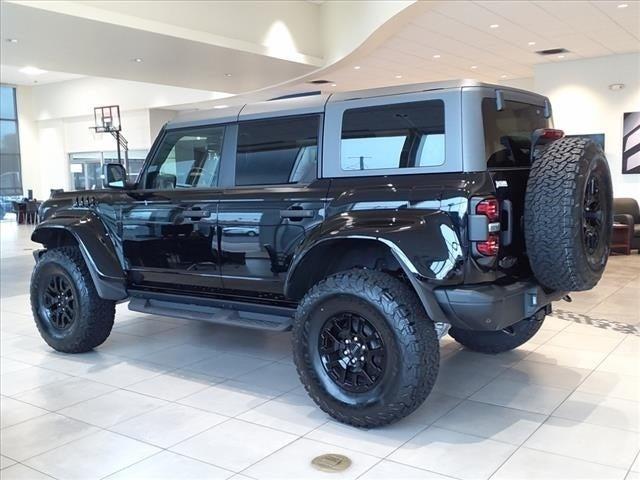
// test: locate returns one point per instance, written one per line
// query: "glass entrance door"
(86, 170)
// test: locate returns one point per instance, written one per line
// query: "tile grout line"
(550, 415)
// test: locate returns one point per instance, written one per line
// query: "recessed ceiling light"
(333, 85)
(473, 67)
(398, 76)
(623, 5)
(137, 60)
(531, 44)
(560, 56)
(616, 86)
(503, 76)
(32, 70)
(357, 67)
(436, 56)
(227, 74)
(494, 25)
(220, 106)
(12, 40)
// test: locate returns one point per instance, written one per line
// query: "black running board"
(224, 312)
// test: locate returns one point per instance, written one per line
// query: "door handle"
(296, 214)
(196, 213)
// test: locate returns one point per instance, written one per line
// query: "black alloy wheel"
(352, 352)
(592, 218)
(59, 302)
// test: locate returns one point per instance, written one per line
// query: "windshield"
(507, 133)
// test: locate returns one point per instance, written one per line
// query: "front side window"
(277, 151)
(403, 135)
(188, 158)
(507, 133)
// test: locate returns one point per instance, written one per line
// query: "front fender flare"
(96, 247)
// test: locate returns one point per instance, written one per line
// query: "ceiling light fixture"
(220, 106)
(494, 25)
(32, 70)
(137, 60)
(623, 5)
(531, 44)
(357, 67)
(12, 40)
(333, 85)
(473, 67)
(560, 57)
(227, 75)
(616, 86)
(398, 76)
(503, 76)
(436, 56)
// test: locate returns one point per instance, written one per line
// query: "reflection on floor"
(167, 398)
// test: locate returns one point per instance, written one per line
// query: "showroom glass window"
(10, 168)
(277, 151)
(403, 135)
(85, 168)
(507, 133)
(187, 158)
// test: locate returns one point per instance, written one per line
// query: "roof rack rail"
(296, 95)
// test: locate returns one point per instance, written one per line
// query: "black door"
(169, 228)
(276, 201)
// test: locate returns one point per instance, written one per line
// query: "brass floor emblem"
(331, 462)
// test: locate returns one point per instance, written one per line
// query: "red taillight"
(552, 134)
(490, 208)
(489, 247)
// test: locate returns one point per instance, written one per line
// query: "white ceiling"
(12, 75)
(460, 33)
(66, 43)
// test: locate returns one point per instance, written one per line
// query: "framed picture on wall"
(631, 143)
(596, 137)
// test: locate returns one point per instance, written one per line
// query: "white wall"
(55, 120)
(583, 103)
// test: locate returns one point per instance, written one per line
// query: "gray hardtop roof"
(311, 103)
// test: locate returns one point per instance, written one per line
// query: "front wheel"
(70, 315)
(365, 350)
(501, 340)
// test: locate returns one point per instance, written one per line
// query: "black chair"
(20, 208)
(625, 210)
(32, 211)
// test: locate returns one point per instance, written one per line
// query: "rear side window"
(277, 151)
(507, 133)
(403, 135)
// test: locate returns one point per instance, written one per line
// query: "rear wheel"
(501, 340)
(568, 215)
(364, 348)
(70, 315)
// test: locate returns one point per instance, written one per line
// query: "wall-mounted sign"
(631, 142)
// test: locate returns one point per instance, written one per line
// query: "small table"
(620, 238)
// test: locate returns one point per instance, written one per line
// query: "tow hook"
(567, 298)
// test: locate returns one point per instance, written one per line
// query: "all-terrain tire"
(93, 316)
(498, 341)
(559, 226)
(410, 343)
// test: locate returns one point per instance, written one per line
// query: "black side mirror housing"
(114, 176)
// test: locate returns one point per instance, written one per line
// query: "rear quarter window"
(403, 135)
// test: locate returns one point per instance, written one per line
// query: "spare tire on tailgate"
(568, 215)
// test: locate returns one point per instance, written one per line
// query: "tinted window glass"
(277, 151)
(7, 103)
(403, 135)
(507, 133)
(187, 159)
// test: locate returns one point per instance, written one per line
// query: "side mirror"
(114, 176)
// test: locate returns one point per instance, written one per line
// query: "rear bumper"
(491, 306)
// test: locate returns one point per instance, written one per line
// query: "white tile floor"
(167, 398)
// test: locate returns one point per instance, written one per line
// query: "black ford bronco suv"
(371, 223)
